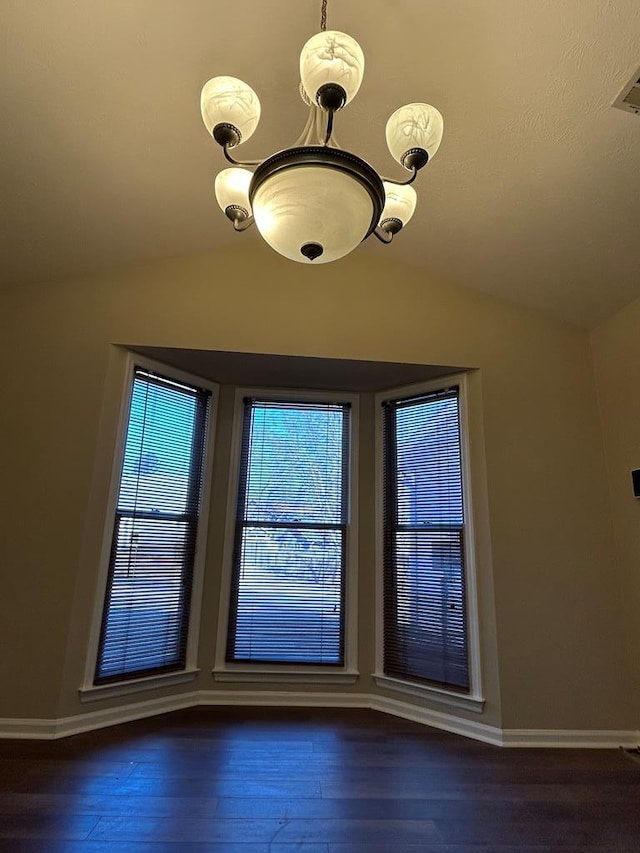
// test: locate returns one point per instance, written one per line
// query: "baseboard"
(27, 729)
(65, 726)
(554, 738)
(569, 739)
(438, 720)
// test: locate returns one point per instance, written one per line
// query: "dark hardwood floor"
(248, 780)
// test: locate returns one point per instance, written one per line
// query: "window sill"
(93, 693)
(300, 676)
(433, 694)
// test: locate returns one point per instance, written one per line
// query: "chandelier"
(315, 202)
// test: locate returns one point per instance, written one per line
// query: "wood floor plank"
(484, 848)
(435, 809)
(38, 846)
(283, 831)
(53, 767)
(72, 827)
(38, 805)
(377, 788)
(168, 786)
(576, 832)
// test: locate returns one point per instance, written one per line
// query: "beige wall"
(551, 646)
(616, 355)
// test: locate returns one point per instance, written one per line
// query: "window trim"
(89, 691)
(304, 673)
(473, 699)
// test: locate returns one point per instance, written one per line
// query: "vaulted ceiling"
(534, 195)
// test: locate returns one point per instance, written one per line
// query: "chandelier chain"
(323, 17)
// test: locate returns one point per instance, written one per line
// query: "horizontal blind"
(146, 613)
(287, 591)
(425, 621)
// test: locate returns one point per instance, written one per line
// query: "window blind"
(288, 576)
(425, 621)
(146, 612)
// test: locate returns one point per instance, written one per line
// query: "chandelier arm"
(323, 136)
(403, 183)
(329, 131)
(384, 236)
(334, 142)
(242, 225)
(318, 128)
(230, 159)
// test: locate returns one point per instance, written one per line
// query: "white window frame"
(88, 691)
(301, 673)
(473, 700)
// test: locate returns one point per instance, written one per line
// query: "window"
(288, 575)
(145, 621)
(426, 633)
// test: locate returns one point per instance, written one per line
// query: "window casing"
(428, 631)
(156, 532)
(288, 605)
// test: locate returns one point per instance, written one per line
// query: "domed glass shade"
(232, 189)
(414, 126)
(313, 204)
(329, 58)
(400, 202)
(229, 101)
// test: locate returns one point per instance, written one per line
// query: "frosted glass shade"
(232, 189)
(328, 58)
(227, 100)
(400, 202)
(414, 126)
(313, 205)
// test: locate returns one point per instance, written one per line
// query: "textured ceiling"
(534, 195)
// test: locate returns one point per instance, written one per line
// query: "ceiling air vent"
(629, 99)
